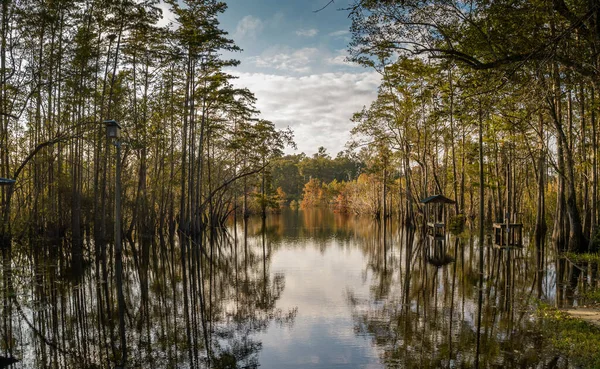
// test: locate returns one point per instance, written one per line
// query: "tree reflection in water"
(214, 299)
(187, 306)
(422, 311)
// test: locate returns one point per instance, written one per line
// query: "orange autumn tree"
(313, 194)
(280, 197)
(339, 193)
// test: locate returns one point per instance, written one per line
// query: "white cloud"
(308, 60)
(340, 59)
(307, 32)
(167, 14)
(249, 27)
(287, 59)
(317, 107)
(340, 33)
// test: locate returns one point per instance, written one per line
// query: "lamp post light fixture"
(113, 129)
(113, 132)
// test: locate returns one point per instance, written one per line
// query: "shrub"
(457, 224)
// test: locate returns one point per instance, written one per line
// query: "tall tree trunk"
(594, 200)
(457, 205)
(4, 163)
(183, 219)
(540, 219)
(481, 236)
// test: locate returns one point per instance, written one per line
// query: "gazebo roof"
(437, 199)
(112, 123)
(6, 181)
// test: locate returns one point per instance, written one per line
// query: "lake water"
(302, 289)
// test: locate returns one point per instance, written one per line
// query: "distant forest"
(292, 172)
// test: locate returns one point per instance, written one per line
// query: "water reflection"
(428, 318)
(299, 289)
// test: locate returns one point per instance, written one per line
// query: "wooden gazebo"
(435, 215)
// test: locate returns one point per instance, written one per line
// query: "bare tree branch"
(326, 5)
(227, 183)
(40, 147)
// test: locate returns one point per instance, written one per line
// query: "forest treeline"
(189, 138)
(491, 103)
(494, 104)
(290, 173)
(349, 183)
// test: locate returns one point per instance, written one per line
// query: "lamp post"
(113, 132)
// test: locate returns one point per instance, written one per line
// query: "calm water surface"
(302, 289)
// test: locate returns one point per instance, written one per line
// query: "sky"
(293, 60)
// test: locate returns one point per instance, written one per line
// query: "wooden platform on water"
(508, 238)
(436, 230)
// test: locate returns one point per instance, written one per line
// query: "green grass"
(582, 258)
(570, 337)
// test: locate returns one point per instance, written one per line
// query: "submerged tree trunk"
(481, 236)
(540, 219)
